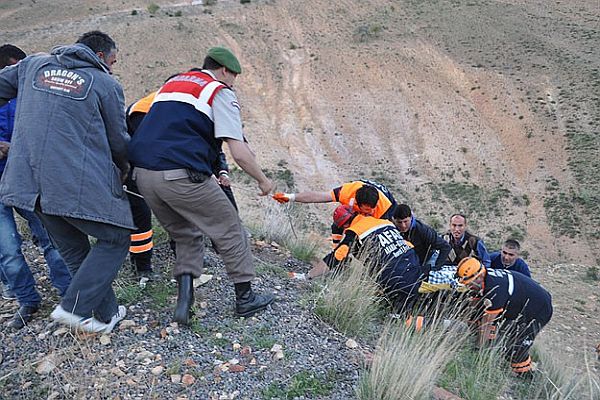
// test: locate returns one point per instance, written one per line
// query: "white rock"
(157, 370)
(117, 371)
(219, 335)
(202, 279)
(203, 305)
(278, 355)
(276, 348)
(104, 340)
(351, 344)
(234, 361)
(175, 378)
(237, 346)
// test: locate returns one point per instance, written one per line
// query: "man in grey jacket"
(67, 160)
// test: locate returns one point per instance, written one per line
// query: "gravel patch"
(283, 352)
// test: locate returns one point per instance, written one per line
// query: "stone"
(141, 330)
(117, 371)
(47, 365)
(175, 378)
(202, 279)
(188, 379)
(351, 344)
(126, 323)
(60, 331)
(276, 348)
(246, 351)
(237, 368)
(156, 371)
(104, 340)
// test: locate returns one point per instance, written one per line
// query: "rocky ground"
(283, 351)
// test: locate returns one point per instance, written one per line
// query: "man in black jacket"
(426, 240)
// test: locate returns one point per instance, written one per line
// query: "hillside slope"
(489, 107)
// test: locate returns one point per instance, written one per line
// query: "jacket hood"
(78, 56)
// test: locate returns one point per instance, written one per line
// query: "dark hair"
(210, 64)
(459, 215)
(402, 211)
(512, 244)
(367, 195)
(98, 42)
(9, 51)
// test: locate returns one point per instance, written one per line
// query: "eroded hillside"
(489, 107)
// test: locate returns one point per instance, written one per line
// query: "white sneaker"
(91, 324)
(121, 312)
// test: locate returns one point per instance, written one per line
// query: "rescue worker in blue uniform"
(513, 304)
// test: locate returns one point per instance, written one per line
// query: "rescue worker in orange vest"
(364, 196)
(140, 250)
(512, 304)
(381, 247)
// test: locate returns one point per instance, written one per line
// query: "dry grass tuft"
(349, 300)
(406, 363)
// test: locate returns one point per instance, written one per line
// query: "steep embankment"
(486, 107)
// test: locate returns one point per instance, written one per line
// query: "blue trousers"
(14, 270)
(93, 267)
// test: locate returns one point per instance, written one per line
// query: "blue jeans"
(15, 271)
(13, 264)
(93, 267)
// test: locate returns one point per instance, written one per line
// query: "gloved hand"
(284, 197)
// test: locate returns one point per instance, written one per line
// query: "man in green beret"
(173, 152)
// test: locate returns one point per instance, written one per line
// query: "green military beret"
(226, 58)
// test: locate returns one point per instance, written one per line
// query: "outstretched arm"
(244, 157)
(304, 197)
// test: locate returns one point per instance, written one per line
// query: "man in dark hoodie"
(67, 160)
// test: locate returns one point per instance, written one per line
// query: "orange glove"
(284, 197)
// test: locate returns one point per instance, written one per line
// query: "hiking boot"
(7, 293)
(248, 303)
(23, 315)
(185, 299)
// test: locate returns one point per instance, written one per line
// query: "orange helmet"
(342, 215)
(468, 270)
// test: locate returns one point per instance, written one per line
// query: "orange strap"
(522, 366)
(419, 322)
(494, 312)
(136, 237)
(142, 248)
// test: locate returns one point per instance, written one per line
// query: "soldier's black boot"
(185, 299)
(248, 303)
